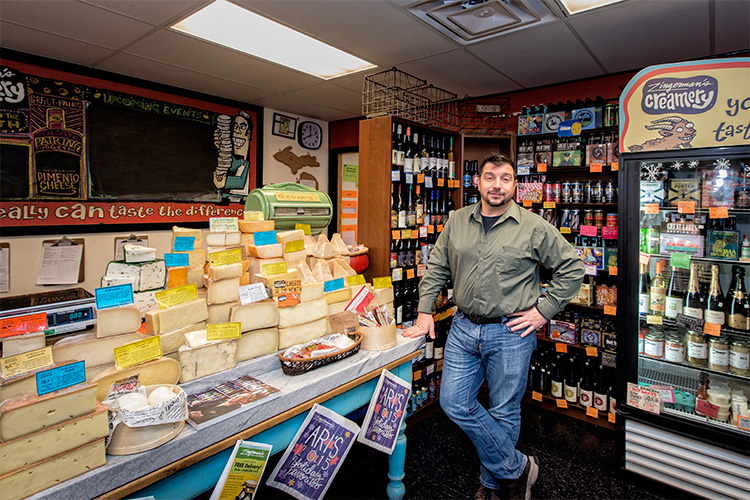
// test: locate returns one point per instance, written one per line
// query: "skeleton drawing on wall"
(232, 138)
(676, 133)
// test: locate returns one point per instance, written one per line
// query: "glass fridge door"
(693, 305)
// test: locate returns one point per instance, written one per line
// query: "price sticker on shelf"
(357, 279)
(550, 204)
(441, 182)
(718, 212)
(541, 167)
(527, 202)
(439, 228)
(611, 418)
(384, 282)
(609, 232)
(561, 403)
(422, 231)
(430, 229)
(592, 352)
(536, 396)
(428, 182)
(564, 230)
(644, 258)
(681, 260)
(405, 234)
(610, 310)
(652, 319)
(420, 178)
(686, 207)
(396, 235)
(397, 274)
(743, 423)
(615, 166)
(712, 329)
(410, 273)
(613, 270)
(595, 167)
(651, 208)
(592, 412)
(588, 230)
(563, 348)
(415, 233)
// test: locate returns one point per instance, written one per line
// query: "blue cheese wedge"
(146, 275)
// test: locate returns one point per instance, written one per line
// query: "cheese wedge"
(172, 318)
(272, 251)
(227, 271)
(135, 253)
(27, 413)
(171, 341)
(221, 292)
(343, 262)
(24, 343)
(302, 313)
(257, 226)
(223, 239)
(42, 475)
(342, 295)
(257, 343)
(302, 333)
(339, 272)
(177, 276)
(245, 279)
(337, 307)
(309, 244)
(158, 371)
(219, 313)
(311, 291)
(323, 248)
(255, 265)
(232, 238)
(305, 273)
(187, 232)
(117, 320)
(285, 237)
(26, 382)
(292, 258)
(200, 357)
(383, 295)
(145, 275)
(87, 347)
(276, 279)
(338, 244)
(321, 271)
(118, 279)
(196, 257)
(54, 440)
(255, 316)
(195, 275)
(145, 301)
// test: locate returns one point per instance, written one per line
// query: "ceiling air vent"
(470, 21)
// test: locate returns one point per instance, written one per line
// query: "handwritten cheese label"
(225, 257)
(333, 285)
(253, 215)
(177, 295)
(138, 352)
(223, 224)
(26, 362)
(252, 293)
(223, 331)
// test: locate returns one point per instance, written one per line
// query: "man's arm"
(555, 253)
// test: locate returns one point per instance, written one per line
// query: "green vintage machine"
(290, 203)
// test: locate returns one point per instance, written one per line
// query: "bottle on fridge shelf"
(451, 207)
(738, 304)
(714, 312)
(397, 302)
(394, 254)
(675, 297)
(424, 157)
(475, 175)
(658, 292)
(745, 250)
(395, 142)
(394, 207)
(644, 296)
(694, 300)
(611, 395)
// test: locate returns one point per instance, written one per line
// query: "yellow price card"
(294, 246)
(253, 215)
(384, 282)
(565, 230)
(654, 320)
(225, 257)
(177, 295)
(138, 352)
(357, 279)
(275, 268)
(405, 234)
(550, 204)
(305, 228)
(223, 331)
(26, 362)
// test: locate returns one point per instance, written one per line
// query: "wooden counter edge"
(215, 448)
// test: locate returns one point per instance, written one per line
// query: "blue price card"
(113, 296)
(177, 259)
(264, 238)
(333, 285)
(184, 243)
(60, 377)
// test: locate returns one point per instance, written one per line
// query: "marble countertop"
(295, 390)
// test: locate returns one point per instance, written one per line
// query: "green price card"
(680, 260)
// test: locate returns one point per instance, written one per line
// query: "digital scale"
(66, 311)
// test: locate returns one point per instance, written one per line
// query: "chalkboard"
(139, 156)
(14, 171)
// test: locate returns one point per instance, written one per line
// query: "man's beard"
(486, 199)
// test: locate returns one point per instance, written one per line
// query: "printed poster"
(243, 471)
(386, 413)
(315, 454)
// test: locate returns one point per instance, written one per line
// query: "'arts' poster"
(386, 413)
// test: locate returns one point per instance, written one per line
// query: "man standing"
(492, 251)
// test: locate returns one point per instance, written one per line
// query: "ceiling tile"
(474, 78)
(77, 20)
(158, 72)
(156, 12)
(328, 94)
(295, 106)
(538, 56)
(354, 81)
(197, 55)
(37, 42)
(634, 35)
(732, 21)
(374, 30)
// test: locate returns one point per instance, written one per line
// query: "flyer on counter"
(222, 401)
(386, 413)
(312, 459)
(243, 471)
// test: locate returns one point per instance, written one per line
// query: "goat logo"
(676, 133)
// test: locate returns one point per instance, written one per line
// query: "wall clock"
(310, 135)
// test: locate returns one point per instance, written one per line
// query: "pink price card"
(609, 232)
(588, 230)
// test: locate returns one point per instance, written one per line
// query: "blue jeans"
(472, 354)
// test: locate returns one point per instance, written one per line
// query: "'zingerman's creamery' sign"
(687, 105)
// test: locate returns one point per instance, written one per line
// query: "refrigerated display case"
(684, 246)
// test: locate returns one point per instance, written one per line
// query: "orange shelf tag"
(652, 208)
(396, 235)
(420, 178)
(561, 403)
(592, 351)
(595, 167)
(610, 310)
(410, 273)
(23, 324)
(536, 396)
(686, 207)
(613, 270)
(592, 412)
(440, 228)
(564, 230)
(611, 417)
(526, 203)
(615, 166)
(561, 347)
(441, 182)
(541, 167)
(718, 212)
(415, 233)
(712, 329)
(430, 229)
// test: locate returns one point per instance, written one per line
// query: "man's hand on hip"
(528, 321)
(425, 324)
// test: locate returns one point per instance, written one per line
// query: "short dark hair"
(497, 159)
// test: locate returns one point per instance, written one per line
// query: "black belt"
(481, 320)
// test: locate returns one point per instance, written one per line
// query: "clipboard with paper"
(61, 262)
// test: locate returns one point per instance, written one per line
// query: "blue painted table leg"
(396, 488)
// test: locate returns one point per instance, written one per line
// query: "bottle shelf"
(573, 410)
(730, 211)
(576, 346)
(724, 329)
(693, 367)
(702, 259)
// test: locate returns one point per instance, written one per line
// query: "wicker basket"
(294, 366)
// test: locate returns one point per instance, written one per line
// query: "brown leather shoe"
(520, 488)
(485, 493)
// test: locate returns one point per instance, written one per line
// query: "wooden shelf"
(573, 410)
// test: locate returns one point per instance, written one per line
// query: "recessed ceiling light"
(578, 6)
(232, 26)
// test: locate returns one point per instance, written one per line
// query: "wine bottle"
(394, 207)
(424, 157)
(586, 389)
(675, 298)
(570, 384)
(397, 302)
(394, 254)
(451, 161)
(611, 393)
(433, 159)
(467, 174)
(411, 209)
(644, 297)
(694, 301)
(658, 293)
(439, 340)
(714, 312)
(738, 306)
(600, 389)
(408, 155)
(419, 206)
(556, 377)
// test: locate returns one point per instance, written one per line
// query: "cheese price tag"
(652, 208)
(592, 352)
(595, 167)
(652, 319)
(536, 396)
(223, 224)
(61, 377)
(305, 228)
(679, 260)
(550, 204)
(561, 403)
(588, 230)
(138, 352)
(357, 279)
(718, 212)
(294, 246)
(686, 207)
(611, 418)
(264, 238)
(381, 283)
(592, 412)
(113, 296)
(184, 243)
(275, 268)
(527, 202)
(712, 329)
(253, 215)
(610, 310)
(225, 257)
(177, 295)
(643, 398)
(565, 230)
(26, 362)
(333, 285)
(613, 270)
(177, 259)
(563, 348)
(252, 293)
(541, 167)
(23, 324)
(223, 331)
